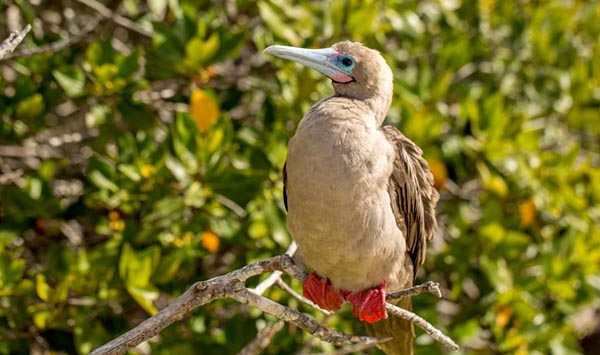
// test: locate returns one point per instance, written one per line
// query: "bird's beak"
(322, 60)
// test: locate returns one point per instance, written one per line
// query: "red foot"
(322, 293)
(369, 305)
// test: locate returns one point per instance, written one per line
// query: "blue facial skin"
(346, 63)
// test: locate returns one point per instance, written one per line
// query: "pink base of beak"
(341, 78)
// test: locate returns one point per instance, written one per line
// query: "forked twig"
(232, 285)
(435, 333)
(429, 286)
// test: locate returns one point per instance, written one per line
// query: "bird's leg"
(369, 304)
(322, 293)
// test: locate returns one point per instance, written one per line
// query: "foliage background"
(145, 155)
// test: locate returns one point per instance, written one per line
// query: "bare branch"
(299, 297)
(299, 319)
(10, 176)
(115, 17)
(232, 285)
(55, 46)
(272, 279)
(263, 339)
(8, 45)
(429, 286)
(435, 333)
(198, 294)
(234, 207)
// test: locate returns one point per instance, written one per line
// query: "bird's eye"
(346, 61)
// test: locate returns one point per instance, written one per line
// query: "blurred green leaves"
(135, 269)
(133, 166)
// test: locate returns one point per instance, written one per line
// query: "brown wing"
(285, 185)
(412, 195)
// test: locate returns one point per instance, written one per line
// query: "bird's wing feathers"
(285, 203)
(412, 195)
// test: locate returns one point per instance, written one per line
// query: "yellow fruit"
(210, 241)
(528, 212)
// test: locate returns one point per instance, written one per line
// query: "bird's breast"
(339, 207)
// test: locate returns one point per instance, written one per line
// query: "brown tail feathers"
(400, 330)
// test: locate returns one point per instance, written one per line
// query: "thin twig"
(435, 333)
(299, 297)
(14, 39)
(232, 285)
(55, 46)
(36, 151)
(200, 293)
(116, 18)
(11, 176)
(272, 279)
(429, 286)
(301, 320)
(234, 207)
(263, 339)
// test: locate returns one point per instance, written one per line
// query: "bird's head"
(355, 70)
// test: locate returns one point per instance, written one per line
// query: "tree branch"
(276, 275)
(232, 285)
(8, 45)
(55, 46)
(116, 18)
(429, 286)
(263, 339)
(300, 319)
(299, 297)
(198, 294)
(435, 333)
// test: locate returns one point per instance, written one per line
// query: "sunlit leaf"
(71, 80)
(42, 289)
(203, 109)
(144, 296)
(31, 107)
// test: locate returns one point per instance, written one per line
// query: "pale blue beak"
(322, 60)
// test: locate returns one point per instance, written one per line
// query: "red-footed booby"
(360, 197)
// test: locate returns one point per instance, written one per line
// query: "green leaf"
(31, 107)
(135, 268)
(71, 80)
(131, 171)
(90, 335)
(41, 319)
(168, 267)
(42, 289)
(276, 24)
(128, 65)
(498, 273)
(157, 6)
(199, 52)
(102, 181)
(144, 296)
(61, 292)
(99, 53)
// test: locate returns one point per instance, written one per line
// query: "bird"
(359, 196)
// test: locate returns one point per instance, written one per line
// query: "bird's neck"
(376, 99)
(379, 105)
